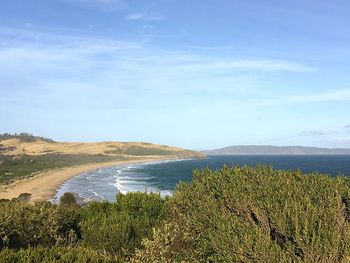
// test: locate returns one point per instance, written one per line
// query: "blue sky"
(196, 74)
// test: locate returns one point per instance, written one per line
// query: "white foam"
(96, 194)
(123, 178)
(164, 193)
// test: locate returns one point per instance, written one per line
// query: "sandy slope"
(44, 185)
(106, 148)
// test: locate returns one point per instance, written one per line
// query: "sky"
(199, 74)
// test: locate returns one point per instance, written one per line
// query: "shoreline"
(43, 186)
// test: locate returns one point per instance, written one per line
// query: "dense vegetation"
(96, 232)
(19, 166)
(13, 167)
(237, 214)
(141, 151)
(24, 137)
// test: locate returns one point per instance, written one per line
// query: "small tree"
(24, 197)
(68, 199)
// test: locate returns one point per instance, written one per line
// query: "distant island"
(275, 150)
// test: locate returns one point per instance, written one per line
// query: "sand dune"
(16, 146)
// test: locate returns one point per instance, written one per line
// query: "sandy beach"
(43, 186)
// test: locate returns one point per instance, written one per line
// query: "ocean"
(162, 176)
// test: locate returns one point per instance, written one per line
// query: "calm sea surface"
(105, 183)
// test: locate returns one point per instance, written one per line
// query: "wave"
(105, 183)
(96, 194)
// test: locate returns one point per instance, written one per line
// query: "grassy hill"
(33, 145)
(24, 154)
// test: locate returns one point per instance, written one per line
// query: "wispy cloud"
(347, 126)
(143, 17)
(49, 59)
(104, 5)
(248, 64)
(322, 132)
(342, 140)
(330, 95)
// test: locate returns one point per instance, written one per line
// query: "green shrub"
(24, 197)
(237, 214)
(118, 228)
(23, 225)
(68, 199)
(254, 215)
(55, 254)
(13, 167)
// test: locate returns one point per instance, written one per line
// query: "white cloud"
(330, 95)
(322, 132)
(342, 141)
(143, 17)
(53, 58)
(104, 5)
(248, 64)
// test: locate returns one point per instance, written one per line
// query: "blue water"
(105, 183)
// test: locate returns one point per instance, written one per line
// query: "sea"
(163, 176)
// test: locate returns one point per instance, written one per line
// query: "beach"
(44, 185)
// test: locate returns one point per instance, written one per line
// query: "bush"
(23, 225)
(55, 254)
(24, 197)
(68, 199)
(237, 214)
(119, 228)
(254, 215)
(115, 228)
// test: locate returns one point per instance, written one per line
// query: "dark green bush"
(55, 254)
(68, 199)
(114, 228)
(119, 228)
(24, 197)
(254, 215)
(237, 214)
(23, 225)
(24, 137)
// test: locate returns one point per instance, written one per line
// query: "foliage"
(237, 214)
(25, 225)
(114, 230)
(24, 137)
(68, 199)
(119, 228)
(24, 197)
(138, 150)
(54, 254)
(16, 167)
(254, 215)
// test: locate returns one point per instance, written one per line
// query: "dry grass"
(106, 148)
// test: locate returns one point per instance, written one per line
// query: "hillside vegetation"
(23, 154)
(237, 214)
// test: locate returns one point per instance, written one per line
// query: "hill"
(274, 150)
(32, 145)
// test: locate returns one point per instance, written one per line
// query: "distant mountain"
(274, 150)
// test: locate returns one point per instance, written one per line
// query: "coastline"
(44, 185)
